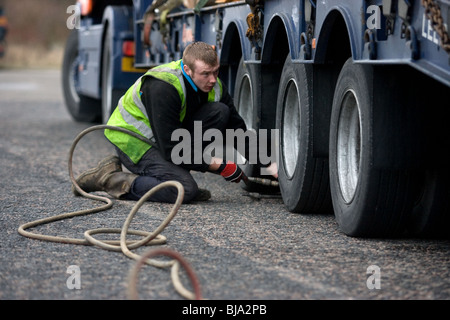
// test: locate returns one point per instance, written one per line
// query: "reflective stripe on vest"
(141, 126)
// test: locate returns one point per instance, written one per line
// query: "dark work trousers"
(153, 169)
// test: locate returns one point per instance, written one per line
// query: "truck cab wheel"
(80, 107)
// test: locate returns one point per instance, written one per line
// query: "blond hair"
(199, 51)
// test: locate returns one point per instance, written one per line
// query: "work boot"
(202, 195)
(107, 177)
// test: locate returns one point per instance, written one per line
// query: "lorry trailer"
(358, 91)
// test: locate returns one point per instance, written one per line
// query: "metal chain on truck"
(433, 13)
(124, 246)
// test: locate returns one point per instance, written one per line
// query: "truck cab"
(3, 32)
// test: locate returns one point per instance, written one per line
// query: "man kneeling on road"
(169, 97)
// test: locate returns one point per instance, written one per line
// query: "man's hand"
(272, 170)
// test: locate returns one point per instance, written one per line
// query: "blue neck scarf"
(188, 78)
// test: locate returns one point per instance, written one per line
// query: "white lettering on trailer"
(427, 30)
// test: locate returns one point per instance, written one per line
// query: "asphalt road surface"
(241, 248)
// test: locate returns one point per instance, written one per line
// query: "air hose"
(124, 246)
(153, 238)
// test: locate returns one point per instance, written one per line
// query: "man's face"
(204, 76)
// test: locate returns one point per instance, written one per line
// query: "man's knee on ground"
(190, 191)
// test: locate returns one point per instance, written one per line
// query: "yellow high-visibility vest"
(132, 115)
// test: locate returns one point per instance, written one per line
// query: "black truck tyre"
(80, 107)
(303, 179)
(431, 214)
(373, 186)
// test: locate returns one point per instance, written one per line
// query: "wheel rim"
(107, 89)
(245, 104)
(73, 81)
(245, 109)
(107, 101)
(349, 146)
(290, 126)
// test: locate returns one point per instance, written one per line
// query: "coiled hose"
(124, 246)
